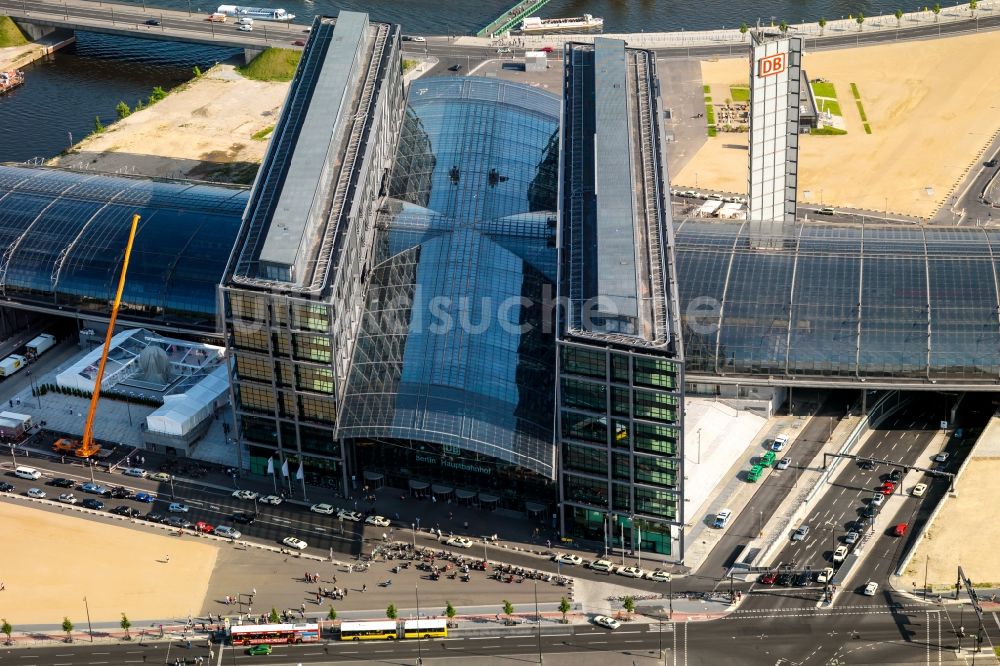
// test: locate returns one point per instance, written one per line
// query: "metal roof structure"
(615, 227)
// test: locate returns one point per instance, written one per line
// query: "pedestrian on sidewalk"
(364, 588)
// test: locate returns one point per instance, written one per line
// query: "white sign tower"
(775, 74)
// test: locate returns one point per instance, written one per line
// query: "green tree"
(123, 110)
(391, 612)
(564, 607)
(629, 605)
(125, 624)
(158, 93)
(899, 17)
(937, 11)
(332, 614)
(860, 20)
(274, 615)
(783, 27)
(98, 127)
(822, 25)
(196, 71)
(744, 29)
(508, 609)
(67, 627)
(450, 612)
(972, 6)
(139, 106)
(6, 629)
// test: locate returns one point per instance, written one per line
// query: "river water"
(64, 93)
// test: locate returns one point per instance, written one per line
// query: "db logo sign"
(771, 65)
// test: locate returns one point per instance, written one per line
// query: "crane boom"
(87, 446)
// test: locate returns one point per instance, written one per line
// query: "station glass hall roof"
(63, 235)
(832, 302)
(464, 241)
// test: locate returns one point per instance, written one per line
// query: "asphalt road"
(875, 636)
(776, 486)
(902, 438)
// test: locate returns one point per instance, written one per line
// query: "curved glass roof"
(63, 236)
(919, 303)
(448, 351)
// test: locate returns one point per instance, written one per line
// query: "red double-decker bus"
(272, 634)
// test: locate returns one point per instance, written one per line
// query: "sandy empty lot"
(933, 107)
(52, 560)
(202, 131)
(962, 534)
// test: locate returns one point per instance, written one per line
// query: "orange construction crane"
(87, 448)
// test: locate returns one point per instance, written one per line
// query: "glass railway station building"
(452, 291)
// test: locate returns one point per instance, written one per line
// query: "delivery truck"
(40, 345)
(12, 364)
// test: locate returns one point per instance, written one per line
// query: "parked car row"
(606, 566)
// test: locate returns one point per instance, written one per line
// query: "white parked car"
(459, 542)
(325, 509)
(378, 521)
(919, 490)
(177, 507)
(779, 443)
(566, 558)
(353, 516)
(247, 495)
(37, 493)
(630, 572)
(840, 554)
(825, 575)
(659, 576)
(292, 542)
(722, 518)
(783, 463)
(245, 28)
(227, 532)
(68, 498)
(136, 472)
(941, 457)
(606, 622)
(602, 565)
(273, 500)
(878, 499)
(851, 537)
(871, 588)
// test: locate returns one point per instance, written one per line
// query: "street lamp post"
(90, 628)
(12, 456)
(420, 658)
(538, 624)
(38, 393)
(413, 529)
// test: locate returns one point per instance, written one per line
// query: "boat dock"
(511, 18)
(10, 80)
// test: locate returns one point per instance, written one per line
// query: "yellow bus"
(425, 629)
(368, 631)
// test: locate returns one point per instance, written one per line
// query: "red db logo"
(771, 65)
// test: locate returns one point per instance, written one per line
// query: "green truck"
(768, 459)
(754, 474)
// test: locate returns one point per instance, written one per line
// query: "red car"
(888, 488)
(547, 49)
(202, 526)
(769, 578)
(899, 530)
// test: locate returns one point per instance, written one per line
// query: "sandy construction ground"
(933, 107)
(51, 561)
(963, 534)
(203, 131)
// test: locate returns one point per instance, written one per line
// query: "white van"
(28, 473)
(245, 20)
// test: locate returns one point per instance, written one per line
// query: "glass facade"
(453, 358)
(620, 442)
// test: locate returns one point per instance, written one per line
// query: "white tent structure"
(185, 410)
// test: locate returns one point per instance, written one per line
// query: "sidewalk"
(734, 493)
